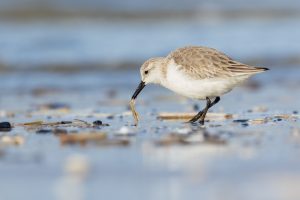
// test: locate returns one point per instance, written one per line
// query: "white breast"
(182, 84)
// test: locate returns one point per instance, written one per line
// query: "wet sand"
(72, 138)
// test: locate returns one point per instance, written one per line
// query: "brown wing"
(204, 62)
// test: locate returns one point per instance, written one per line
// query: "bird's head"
(151, 70)
(150, 73)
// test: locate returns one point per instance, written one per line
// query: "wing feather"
(203, 62)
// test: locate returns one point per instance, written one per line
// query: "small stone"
(110, 117)
(59, 131)
(124, 130)
(5, 126)
(66, 122)
(44, 131)
(55, 106)
(12, 140)
(184, 131)
(245, 124)
(97, 123)
(240, 120)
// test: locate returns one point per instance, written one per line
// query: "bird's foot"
(201, 121)
(192, 121)
(195, 118)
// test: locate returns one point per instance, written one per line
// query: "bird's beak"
(138, 89)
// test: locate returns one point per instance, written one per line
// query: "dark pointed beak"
(138, 89)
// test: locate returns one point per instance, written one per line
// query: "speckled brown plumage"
(203, 62)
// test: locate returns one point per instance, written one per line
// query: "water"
(112, 44)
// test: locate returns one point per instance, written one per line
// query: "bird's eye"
(146, 72)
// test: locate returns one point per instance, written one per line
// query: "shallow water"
(226, 159)
(100, 43)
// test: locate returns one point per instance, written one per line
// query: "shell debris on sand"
(81, 138)
(125, 131)
(187, 116)
(56, 124)
(35, 123)
(190, 139)
(12, 140)
(134, 113)
(287, 116)
(97, 138)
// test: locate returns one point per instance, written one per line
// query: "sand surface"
(57, 149)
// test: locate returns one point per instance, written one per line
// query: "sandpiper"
(196, 72)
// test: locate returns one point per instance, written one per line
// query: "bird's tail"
(261, 69)
(245, 69)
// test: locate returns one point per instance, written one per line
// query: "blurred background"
(99, 34)
(77, 61)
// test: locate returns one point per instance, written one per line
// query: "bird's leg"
(217, 99)
(209, 104)
(202, 117)
(199, 114)
(196, 117)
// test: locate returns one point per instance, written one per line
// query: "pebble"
(60, 131)
(124, 130)
(5, 126)
(184, 131)
(44, 131)
(99, 123)
(66, 122)
(54, 106)
(12, 140)
(241, 120)
(110, 117)
(245, 124)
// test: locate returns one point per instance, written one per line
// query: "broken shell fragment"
(12, 140)
(134, 113)
(81, 138)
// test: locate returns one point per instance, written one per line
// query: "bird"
(196, 72)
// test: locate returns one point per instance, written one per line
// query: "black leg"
(217, 99)
(209, 104)
(196, 117)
